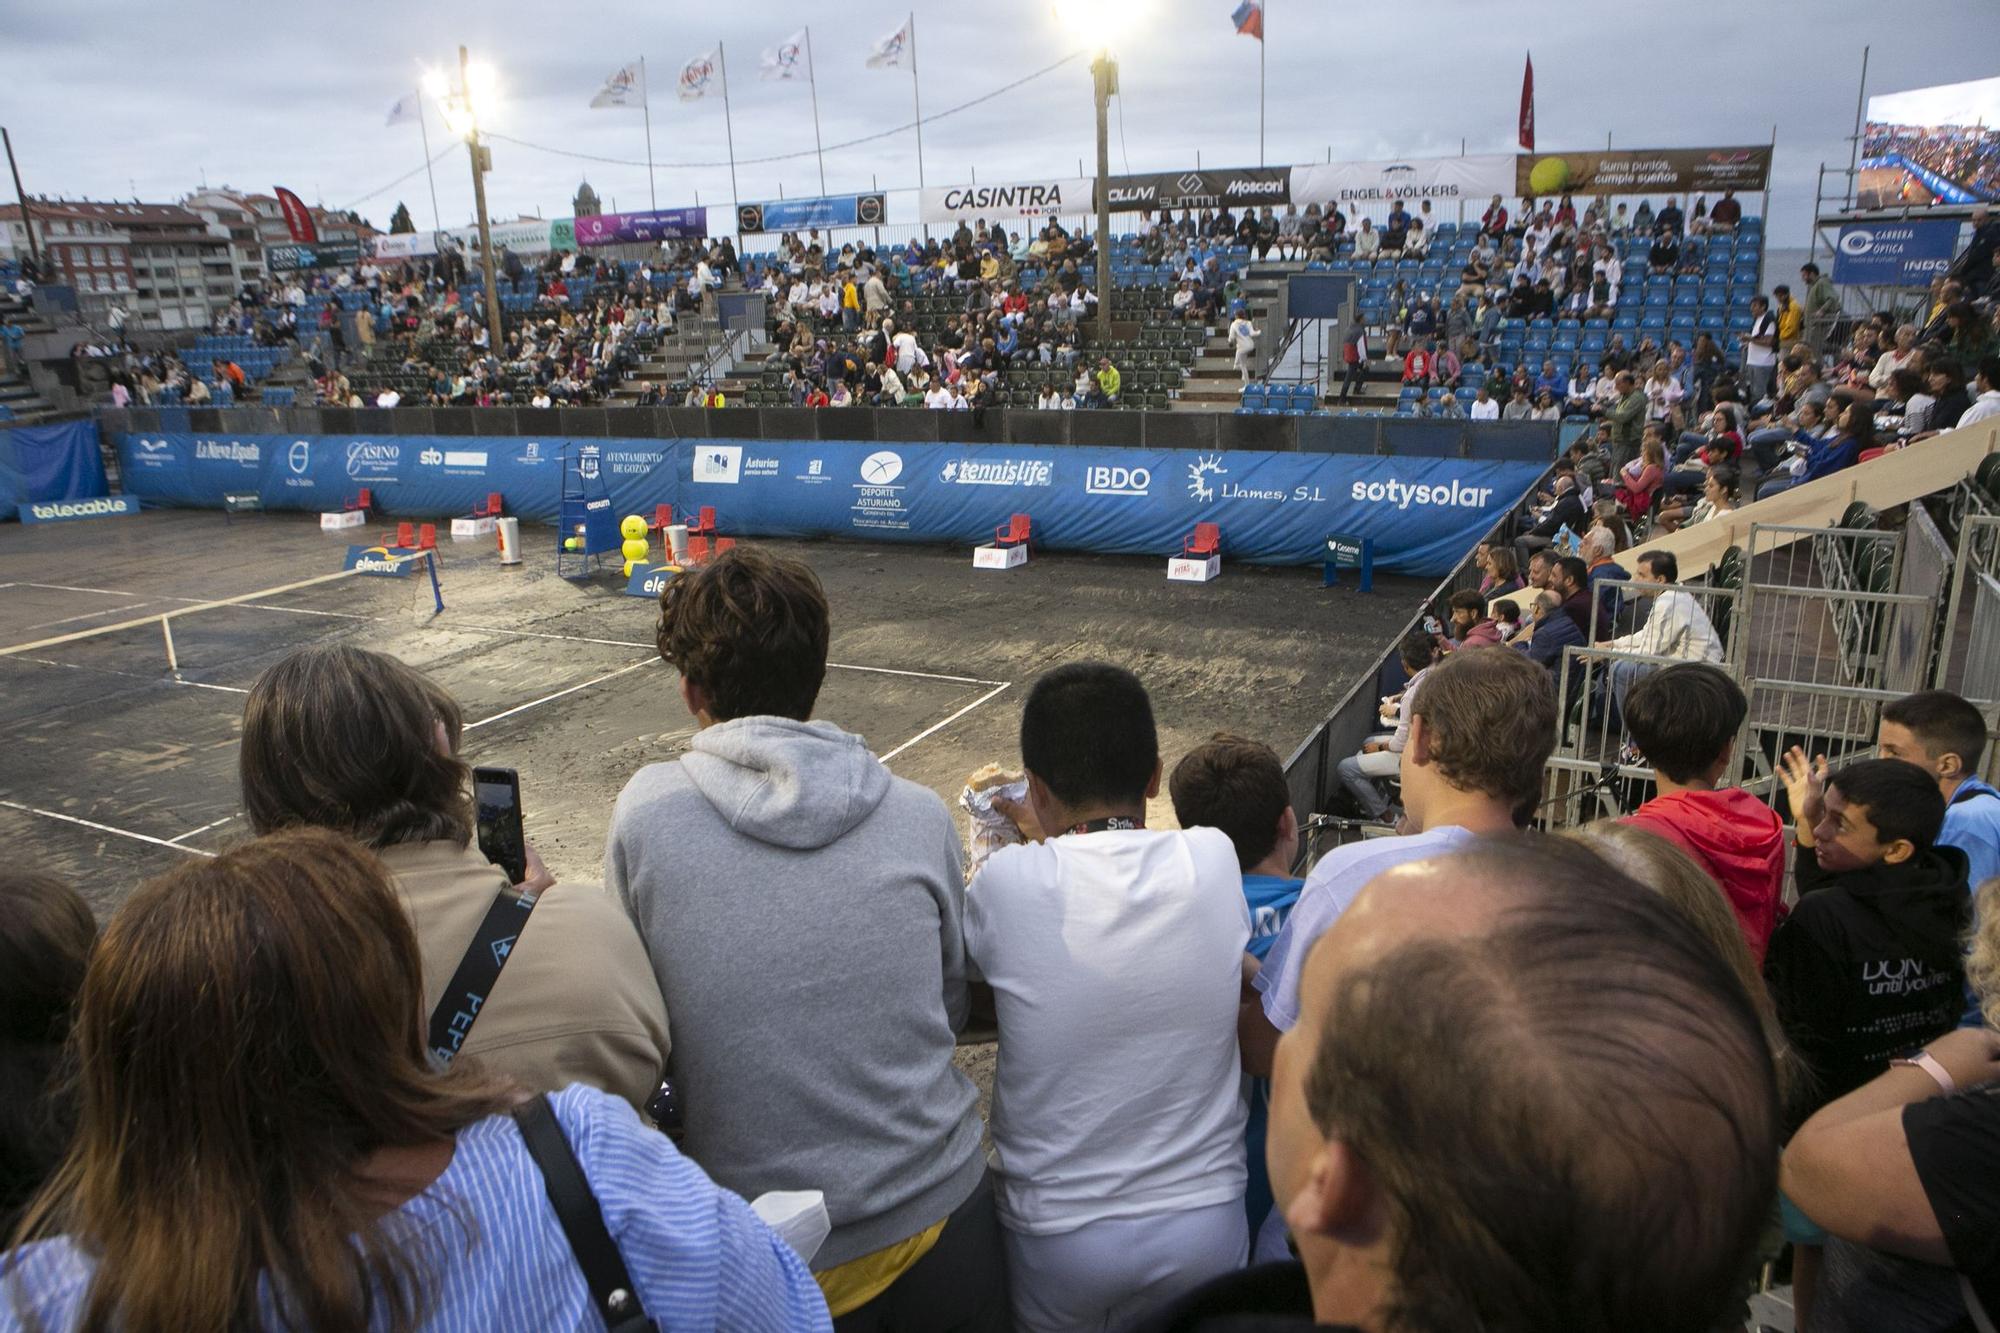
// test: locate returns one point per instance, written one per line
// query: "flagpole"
(646, 105)
(735, 199)
(813, 79)
(1264, 23)
(917, 100)
(437, 221)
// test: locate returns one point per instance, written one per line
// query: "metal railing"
(1982, 654)
(1978, 554)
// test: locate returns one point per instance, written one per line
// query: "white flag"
(892, 50)
(786, 60)
(407, 108)
(697, 75)
(624, 86)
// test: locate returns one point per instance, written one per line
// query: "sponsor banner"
(1902, 254)
(1233, 186)
(51, 511)
(523, 238)
(1275, 508)
(1643, 170)
(326, 254)
(55, 461)
(1361, 185)
(661, 224)
(379, 561)
(1000, 203)
(646, 580)
(407, 245)
(840, 210)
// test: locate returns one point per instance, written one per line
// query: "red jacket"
(1737, 839)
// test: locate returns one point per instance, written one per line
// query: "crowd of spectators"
(853, 330)
(284, 1087)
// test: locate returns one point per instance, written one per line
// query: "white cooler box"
(999, 557)
(1186, 569)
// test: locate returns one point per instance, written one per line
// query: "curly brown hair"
(749, 629)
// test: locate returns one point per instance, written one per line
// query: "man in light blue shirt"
(1945, 736)
(1480, 734)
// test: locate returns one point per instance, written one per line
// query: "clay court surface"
(112, 768)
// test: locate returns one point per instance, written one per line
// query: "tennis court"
(114, 766)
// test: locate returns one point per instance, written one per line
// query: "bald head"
(1531, 1093)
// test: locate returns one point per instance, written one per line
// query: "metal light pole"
(27, 219)
(481, 163)
(1104, 82)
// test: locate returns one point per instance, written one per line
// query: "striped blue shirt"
(699, 1257)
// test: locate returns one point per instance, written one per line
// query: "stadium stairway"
(1213, 384)
(675, 359)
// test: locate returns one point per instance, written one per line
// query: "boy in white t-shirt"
(1115, 957)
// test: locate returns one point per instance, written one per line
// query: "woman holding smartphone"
(356, 741)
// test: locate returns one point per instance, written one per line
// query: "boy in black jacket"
(1870, 965)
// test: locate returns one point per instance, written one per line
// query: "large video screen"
(1936, 145)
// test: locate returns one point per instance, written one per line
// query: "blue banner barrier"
(57, 461)
(1905, 254)
(1421, 513)
(52, 511)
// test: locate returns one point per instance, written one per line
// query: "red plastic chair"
(663, 516)
(406, 535)
(704, 522)
(1867, 454)
(1206, 540)
(364, 501)
(427, 537)
(492, 507)
(697, 550)
(724, 544)
(1014, 532)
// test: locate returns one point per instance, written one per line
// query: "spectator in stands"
(1987, 383)
(1971, 337)
(1945, 736)
(1479, 734)
(1791, 435)
(1239, 786)
(1675, 627)
(1854, 431)
(1640, 479)
(1760, 350)
(1879, 902)
(1719, 489)
(46, 936)
(1120, 1143)
(1600, 544)
(1367, 1141)
(342, 738)
(1791, 316)
(1380, 755)
(1109, 381)
(257, 1012)
(1973, 268)
(1485, 407)
(853, 878)
(1684, 720)
(1549, 630)
(1567, 508)
(1470, 626)
(1519, 407)
(1876, 892)
(1904, 1166)
(1367, 241)
(1417, 366)
(1627, 418)
(1727, 213)
(1243, 336)
(1499, 571)
(1822, 306)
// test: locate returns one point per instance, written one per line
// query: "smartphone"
(496, 792)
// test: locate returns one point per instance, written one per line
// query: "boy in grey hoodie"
(802, 909)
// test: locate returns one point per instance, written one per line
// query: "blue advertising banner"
(53, 511)
(56, 461)
(1901, 254)
(1421, 514)
(378, 561)
(840, 210)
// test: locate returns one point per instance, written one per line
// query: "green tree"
(399, 221)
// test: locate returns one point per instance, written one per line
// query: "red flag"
(298, 218)
(1528, 106)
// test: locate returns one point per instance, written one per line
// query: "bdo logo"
(1118, 481)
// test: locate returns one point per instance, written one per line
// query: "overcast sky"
(112, 99)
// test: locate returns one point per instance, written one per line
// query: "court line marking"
(550, 698)
(940, 726)
(87, 615)
(133, 675)
(102, 828)
(66, 587)
(213, 823)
